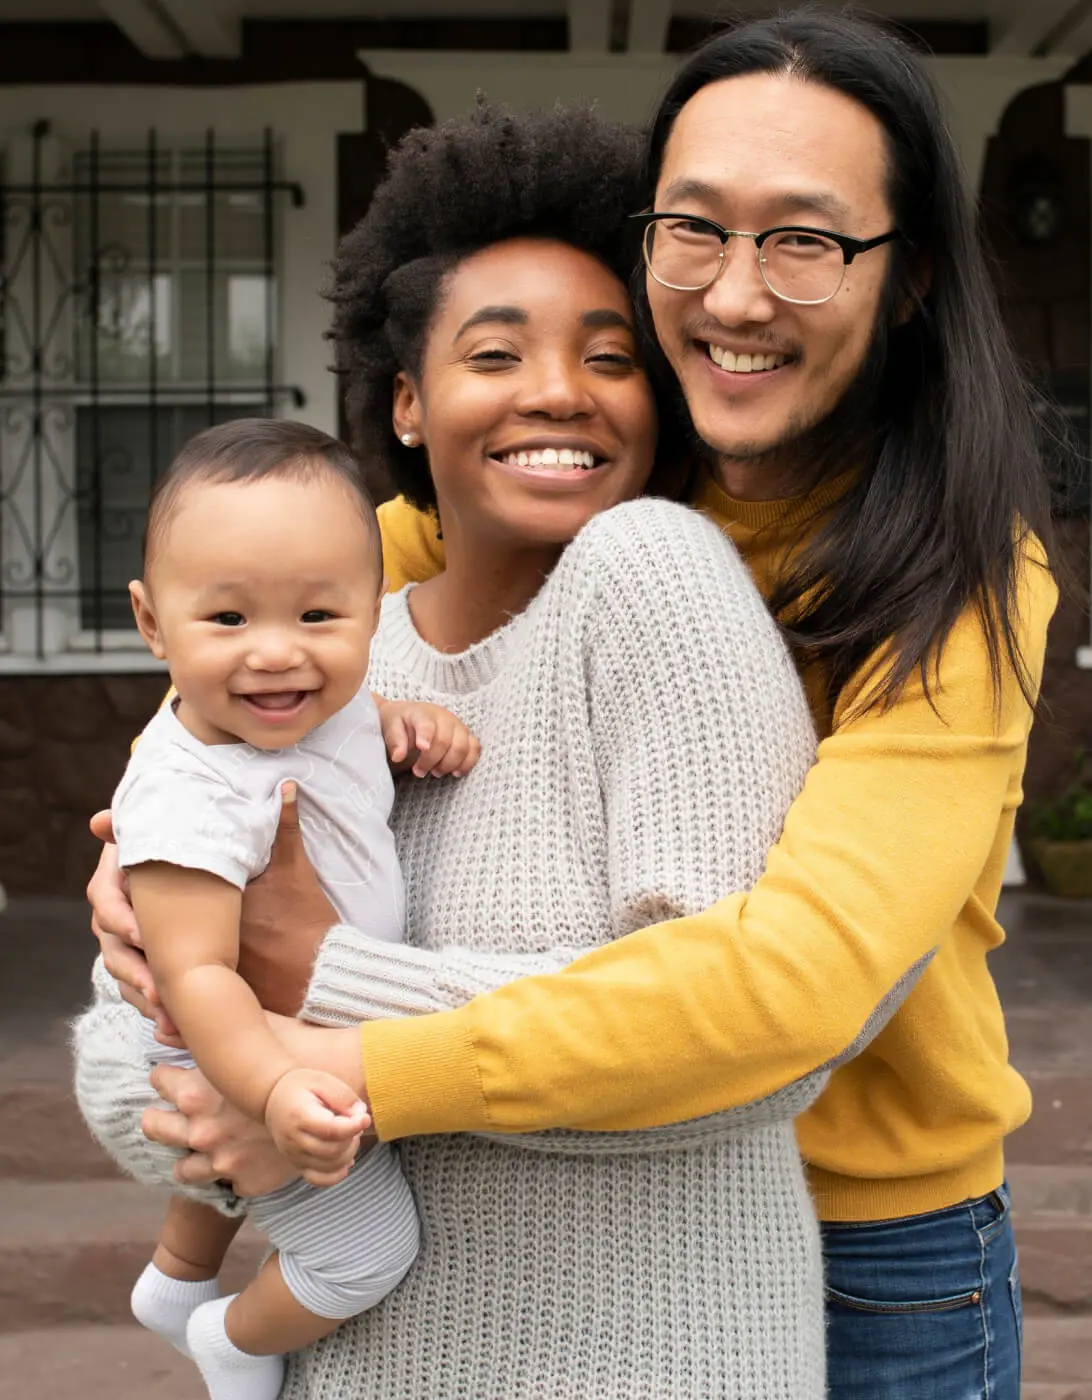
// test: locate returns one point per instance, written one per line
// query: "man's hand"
(286, 915)
(114, 925)
(427, 740)
(317, 1123)
(224, 1145)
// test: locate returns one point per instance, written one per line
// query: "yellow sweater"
(896, 845)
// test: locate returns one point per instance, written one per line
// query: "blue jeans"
(925, 1308)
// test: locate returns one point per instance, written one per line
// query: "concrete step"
(127, 1363)
(70, 1252)
(1052, 1216)
(1059, 1131)
(94, 1363)
(1058, 1353)
(42, 1135)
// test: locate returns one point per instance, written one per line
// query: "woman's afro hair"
(450, 191)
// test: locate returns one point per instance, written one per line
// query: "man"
(814, 283)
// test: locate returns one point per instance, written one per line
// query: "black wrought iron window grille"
(139, 303)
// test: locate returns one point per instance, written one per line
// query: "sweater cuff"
(422, 1076)
(358, 979)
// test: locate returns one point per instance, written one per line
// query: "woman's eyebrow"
(606, 316)
(504, 315)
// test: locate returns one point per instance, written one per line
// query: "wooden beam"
(1026, 28)
(649, 21)
(1075, 42)
(206, 28)
(145, 26)
(589, 26)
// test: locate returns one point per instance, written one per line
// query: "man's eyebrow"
(687, 188)
(825, 203)
(606, 317)
(502, 315)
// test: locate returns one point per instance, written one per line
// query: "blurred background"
(174, 175)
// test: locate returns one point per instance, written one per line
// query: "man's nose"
(739, 296)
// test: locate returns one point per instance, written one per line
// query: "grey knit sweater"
(643, 733)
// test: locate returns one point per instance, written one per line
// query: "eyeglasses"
(805, 266)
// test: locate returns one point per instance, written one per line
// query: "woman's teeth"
(745, 364)
(564, 457)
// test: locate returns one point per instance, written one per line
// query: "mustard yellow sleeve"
(412, 548)
(895, 825)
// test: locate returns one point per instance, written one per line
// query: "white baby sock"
(230, 1374)
(164, 1305)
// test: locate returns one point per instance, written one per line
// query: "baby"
(262, 582)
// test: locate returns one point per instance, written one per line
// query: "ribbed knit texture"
(643, 733)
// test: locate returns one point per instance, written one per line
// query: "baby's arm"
(189, 920)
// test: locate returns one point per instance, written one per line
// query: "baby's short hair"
(253, 449)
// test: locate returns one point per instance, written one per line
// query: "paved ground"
(72, 1236)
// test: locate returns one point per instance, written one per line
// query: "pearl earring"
(408, 440)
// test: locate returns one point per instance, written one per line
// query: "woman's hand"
(224, 1145)
(114, 925)
(285, 917)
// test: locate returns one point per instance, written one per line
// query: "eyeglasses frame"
(851, 248)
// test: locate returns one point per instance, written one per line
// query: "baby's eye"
(316, 615)
(228, 619)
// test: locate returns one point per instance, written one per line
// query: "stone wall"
(64, 741)
(63, 745)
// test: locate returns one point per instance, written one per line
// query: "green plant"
(1068, 816)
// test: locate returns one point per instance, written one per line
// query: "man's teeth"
(564, 457)
(745, 364)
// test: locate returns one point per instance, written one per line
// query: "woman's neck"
(483, 586)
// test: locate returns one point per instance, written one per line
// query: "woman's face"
(531, 402)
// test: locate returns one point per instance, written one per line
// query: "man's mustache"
(707, 330)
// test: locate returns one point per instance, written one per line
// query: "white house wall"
(627, 87)
(305, 119)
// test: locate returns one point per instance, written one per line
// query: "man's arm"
(895, 825)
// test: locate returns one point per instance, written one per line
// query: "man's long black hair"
(953, 486)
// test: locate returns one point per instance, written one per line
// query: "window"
(139, 305)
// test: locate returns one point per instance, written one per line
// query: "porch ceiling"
(170, 29)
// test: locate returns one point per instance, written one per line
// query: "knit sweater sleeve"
(357, 978)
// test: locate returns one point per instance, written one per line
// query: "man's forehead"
(798, 142)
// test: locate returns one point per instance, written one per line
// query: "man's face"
(753, 153)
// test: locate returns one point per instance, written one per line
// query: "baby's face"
(263, 597)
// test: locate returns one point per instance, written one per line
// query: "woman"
(643, 732)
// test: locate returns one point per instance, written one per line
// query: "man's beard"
(806, 454)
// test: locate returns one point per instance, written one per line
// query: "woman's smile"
(531, 368)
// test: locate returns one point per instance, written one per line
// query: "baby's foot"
(230, 1374)
(165, 1305)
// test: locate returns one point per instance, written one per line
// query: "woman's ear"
(144, 613)
(407, 415)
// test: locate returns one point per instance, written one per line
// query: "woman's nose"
(557, 389)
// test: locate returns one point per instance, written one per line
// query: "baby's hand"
(316, 1122)
(427, 739)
